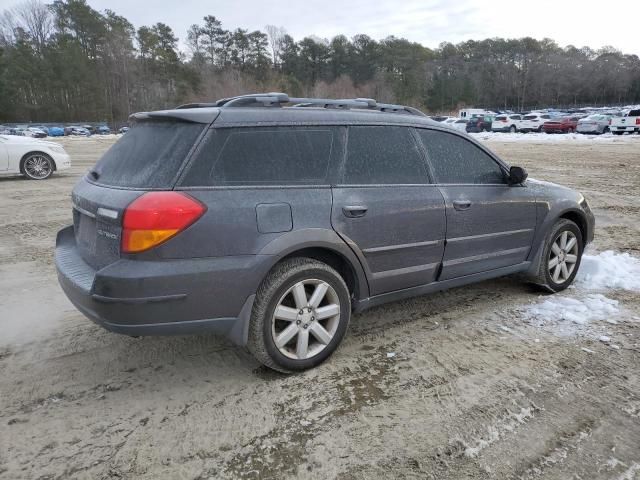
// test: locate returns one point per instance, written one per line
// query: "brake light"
(638, 121)
(155, 217)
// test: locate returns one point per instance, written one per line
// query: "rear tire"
(300, 315)
(513, 129)
(561, 256)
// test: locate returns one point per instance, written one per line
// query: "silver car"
(596, 123)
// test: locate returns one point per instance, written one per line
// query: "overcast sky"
(586, 22)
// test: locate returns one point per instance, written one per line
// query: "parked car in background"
(56, 131)
(123, 130)
(35, 132)
(78, 131)
(560, 125)
(458, 124)
(102, 130)
(33, 158)
(533, 122)
(506, 123)
(166, 241)
(479, 123)
(629, 123)
(596, 123)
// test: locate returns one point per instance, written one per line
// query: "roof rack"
(275, 99)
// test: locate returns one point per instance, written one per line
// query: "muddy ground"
(448, 386)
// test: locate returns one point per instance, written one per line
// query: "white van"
(470, 112)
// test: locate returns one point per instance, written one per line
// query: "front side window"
(383, 155)
(262, 156)
(457, 160)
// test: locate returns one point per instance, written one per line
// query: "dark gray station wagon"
(270, 219)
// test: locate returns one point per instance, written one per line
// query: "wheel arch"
(577, 217)
(39, 152)
(326, 246)
(573, 214)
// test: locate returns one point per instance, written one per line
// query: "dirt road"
(459, 384)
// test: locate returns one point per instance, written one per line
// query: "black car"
(479, 123)
(271, 224)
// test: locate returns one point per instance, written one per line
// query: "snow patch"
(572, 310)
(609, 270)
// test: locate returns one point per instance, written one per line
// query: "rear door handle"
(354, 211)
(461, 204)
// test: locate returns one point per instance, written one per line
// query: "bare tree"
(276, 37)
(35, 18)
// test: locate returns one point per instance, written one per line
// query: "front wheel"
(561, 256)
(37, 166)
(300, 315)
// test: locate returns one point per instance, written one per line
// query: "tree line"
(65, 61)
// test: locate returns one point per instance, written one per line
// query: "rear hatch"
(148, 157)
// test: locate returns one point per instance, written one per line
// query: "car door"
(490, 224)
(387, 210)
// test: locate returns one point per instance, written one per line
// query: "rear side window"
(457, 160)
(383, 155)
(634, 113)
(262, 156)
(149, 155)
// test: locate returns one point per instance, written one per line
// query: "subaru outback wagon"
(271, 219)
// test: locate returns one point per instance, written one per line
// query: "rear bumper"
(163, 297)
(501, 129)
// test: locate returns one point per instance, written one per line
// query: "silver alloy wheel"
(305, 319)
(563, 257)
(37, 167)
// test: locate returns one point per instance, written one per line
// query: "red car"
(561, 125)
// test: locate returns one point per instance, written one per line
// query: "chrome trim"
(83, 211)
(108, 213)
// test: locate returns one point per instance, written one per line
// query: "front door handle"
(461, 204)
(354, 211)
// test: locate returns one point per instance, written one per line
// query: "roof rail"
(276, 99)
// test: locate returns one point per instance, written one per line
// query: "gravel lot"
(459, 384)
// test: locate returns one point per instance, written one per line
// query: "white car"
(507, 123)
(35, 159)
(533, 122)
(457, 123)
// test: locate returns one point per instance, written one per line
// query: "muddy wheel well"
(334, 260)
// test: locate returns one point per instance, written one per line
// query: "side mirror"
(517, 175)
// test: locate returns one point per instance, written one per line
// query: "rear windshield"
(149, 155)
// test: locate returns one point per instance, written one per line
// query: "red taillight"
(155, 217)
(638, 121)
